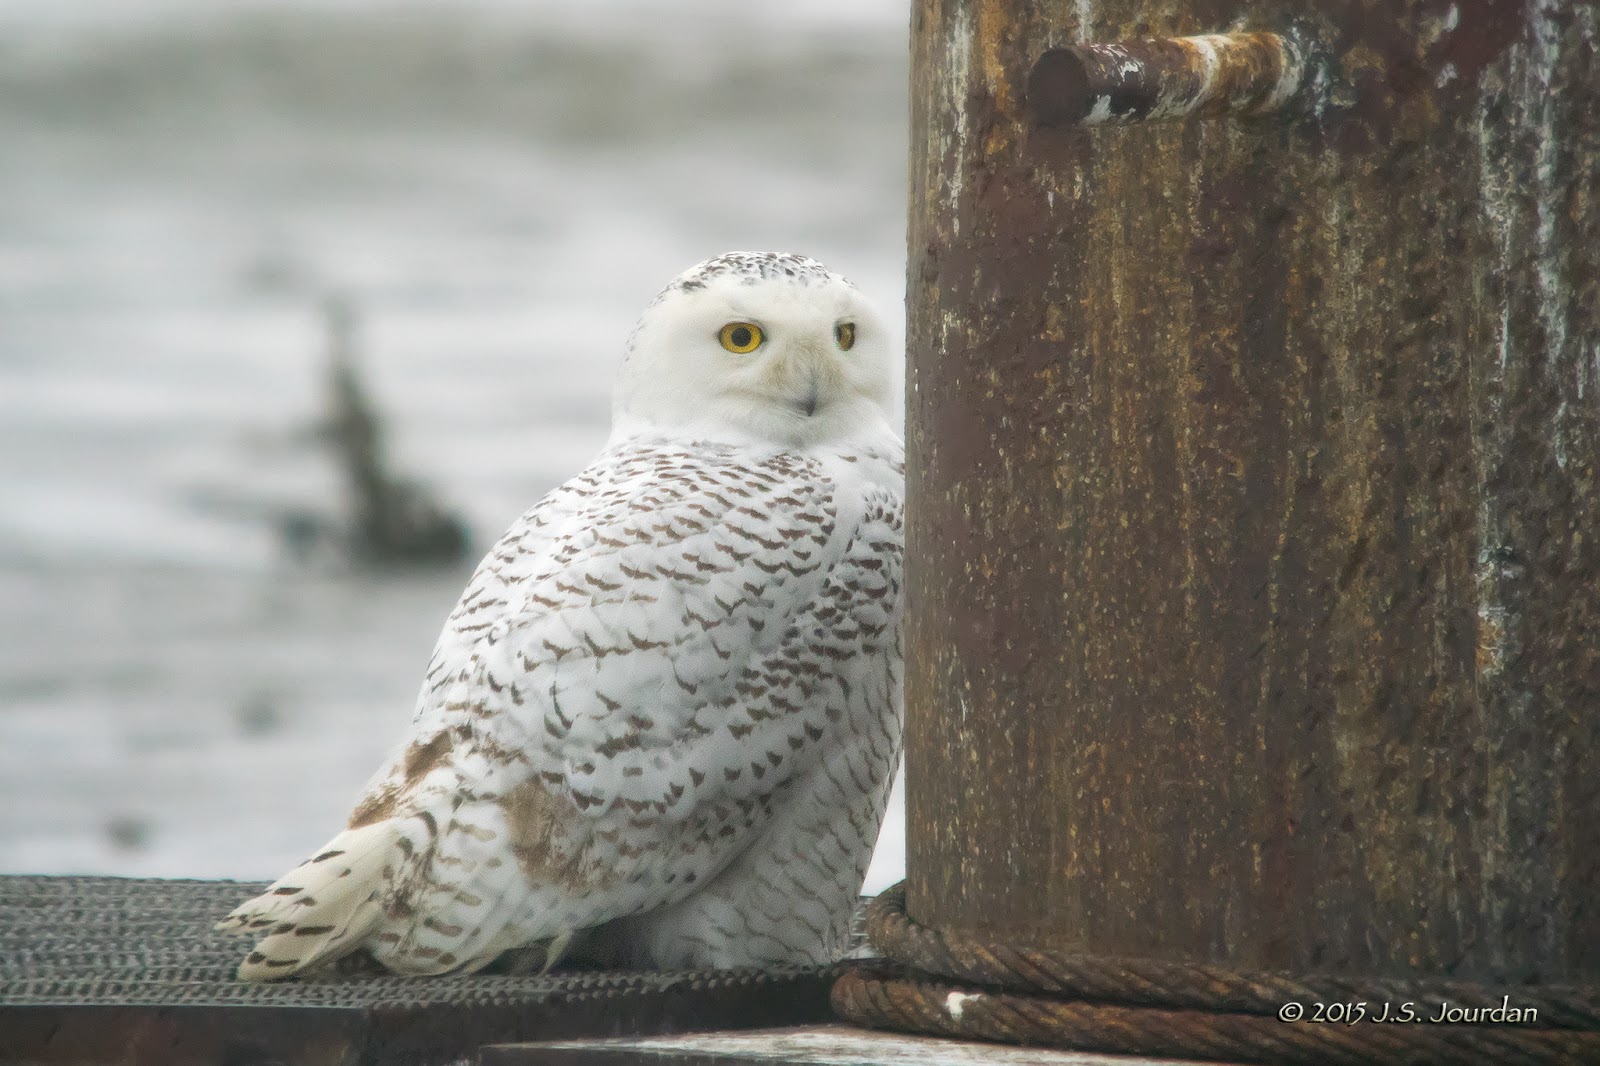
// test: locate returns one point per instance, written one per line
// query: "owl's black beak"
(809, 404)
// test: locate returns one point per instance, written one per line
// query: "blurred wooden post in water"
(395, 522)
(1255, 543)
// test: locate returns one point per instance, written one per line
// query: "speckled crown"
(749, 268)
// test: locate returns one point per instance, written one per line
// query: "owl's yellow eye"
(845, 334)
(741, 337)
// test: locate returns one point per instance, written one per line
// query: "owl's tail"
(322, 909)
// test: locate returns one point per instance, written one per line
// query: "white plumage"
(661, 723)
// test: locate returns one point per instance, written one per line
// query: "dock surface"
(100, 970)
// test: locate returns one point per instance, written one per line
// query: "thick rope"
(1142, 1006)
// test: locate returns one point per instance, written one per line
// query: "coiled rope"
(950, 985)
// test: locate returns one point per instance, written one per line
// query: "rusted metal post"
(1254, 473)
(1180, 77)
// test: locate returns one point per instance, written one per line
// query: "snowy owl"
(660, 725)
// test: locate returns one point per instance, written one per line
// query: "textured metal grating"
(91, 962)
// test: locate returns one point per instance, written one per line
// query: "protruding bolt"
(1173, 77)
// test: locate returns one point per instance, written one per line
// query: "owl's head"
(758, 345)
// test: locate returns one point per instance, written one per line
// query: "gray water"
(499, 188)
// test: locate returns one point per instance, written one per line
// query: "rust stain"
(1490, 648)
(994, 19)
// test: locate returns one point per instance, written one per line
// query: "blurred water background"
(498, 188)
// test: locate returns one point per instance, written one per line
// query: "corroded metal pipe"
(1174, 77)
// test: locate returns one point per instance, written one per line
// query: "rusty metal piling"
(1254, 474)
